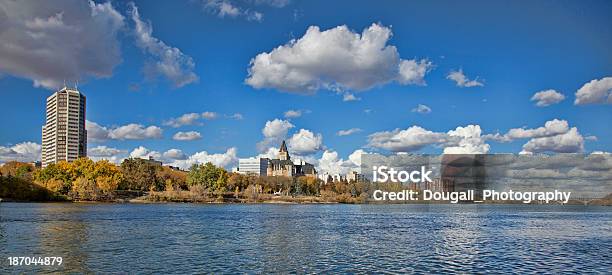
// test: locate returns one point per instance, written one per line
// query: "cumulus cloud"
(106, 153)
(194, 119)
(169, 62)
(550, 128)
(49, 42)
(331, 164)
(274, 132)
(555, 136)
(348, 132)
(335, 59)
(305, 142)
(597, 91)
(421, 109)
(144, 153)
(293, 113)
(412, 139)
(24, 152)
(225, 159)
(547, 98)
(470, 141)
(462, 140)
(186, 119)
(135, 131)
(97, 133)
(569, 142)
(185, 136)
(174, 154)
(461, 80)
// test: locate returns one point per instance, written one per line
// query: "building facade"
(284, 166)
(64, 136)
(256, 166)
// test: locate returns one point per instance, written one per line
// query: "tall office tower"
(64, 136)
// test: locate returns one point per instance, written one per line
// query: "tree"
(85, 189)
(172, 179)
(139, 174)
(209, 176)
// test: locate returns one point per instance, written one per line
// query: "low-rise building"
(256, 166)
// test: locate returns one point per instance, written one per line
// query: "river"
(276, 238)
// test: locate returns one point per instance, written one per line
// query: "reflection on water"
(188, 238)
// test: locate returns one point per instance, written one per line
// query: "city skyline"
(188, 89)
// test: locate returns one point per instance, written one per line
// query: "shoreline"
(295, 201)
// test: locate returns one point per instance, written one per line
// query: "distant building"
(256, 166)
(329, 178)
(283, 166)
(64, 136)
(153, 161)
(354, 176)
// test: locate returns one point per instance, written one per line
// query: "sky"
(195, 81)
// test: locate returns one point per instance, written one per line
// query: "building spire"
(283, 147)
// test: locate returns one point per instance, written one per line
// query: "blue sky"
(514, 49)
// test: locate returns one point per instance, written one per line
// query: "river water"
(264, 238)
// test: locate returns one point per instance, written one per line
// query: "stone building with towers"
(284, 166)
(64, 136)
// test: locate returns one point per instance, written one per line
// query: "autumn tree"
(140, 174)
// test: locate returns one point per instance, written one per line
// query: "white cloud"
(305, 142)
(97, 133)
(144, 153)
(186, 119)
(49, 42)
(104, 151)
(462, 140)
(293, 113)
(550, 128)
(411, 139)
(348, 132)
(271, 153)
(413, 71)
(350, 97)
(335, 59)
(135, 131)
(421, 109)
(331, 164)
(547, 98)
(274, 132)
(470, 141)
(236, 116)
(169, 62)
(461, 80)
(113, 155)
(174, 154)
(569, 142)
(185, 136)
(209, 115)
(595, 92)
(225, 8)
(222, 8)
(24, 152)
(221, 159)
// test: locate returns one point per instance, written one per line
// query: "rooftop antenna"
(76, 86)
(64, 83)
